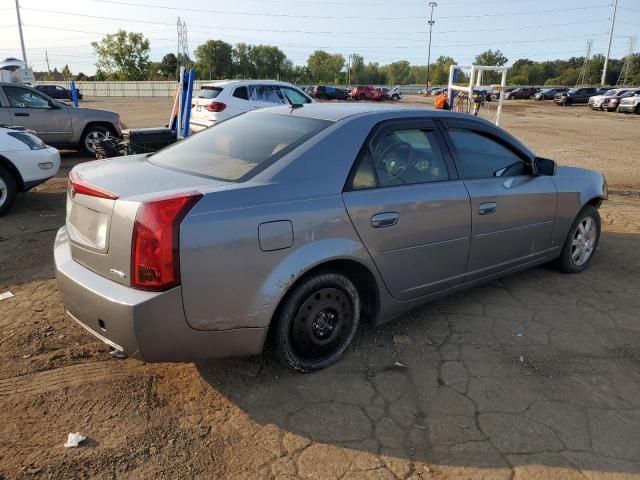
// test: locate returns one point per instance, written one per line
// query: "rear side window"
(209, 92)
(241, 92)
(237, 149)
(481, 156)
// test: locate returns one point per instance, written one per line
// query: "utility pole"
(606, 59)
(349, 71)
(584, 78)
(46, 56)
(430, 5)
(24, 52)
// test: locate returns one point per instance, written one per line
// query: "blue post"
(74, 93)
(187, 108)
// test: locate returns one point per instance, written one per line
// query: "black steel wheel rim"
(322, 324)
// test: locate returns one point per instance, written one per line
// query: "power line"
(256, 14)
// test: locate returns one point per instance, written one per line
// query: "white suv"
(25, 161)
(221, 100)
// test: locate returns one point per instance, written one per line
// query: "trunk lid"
(102, 201)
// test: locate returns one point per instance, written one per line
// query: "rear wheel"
(362, 96)
(8, 190)
(317, 322)
(92, 135)
(581, 242)
(638, 109)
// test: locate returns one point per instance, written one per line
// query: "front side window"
(481, 156)
(266, 94)
(23, 98)
(294, 95)
(402, 157)
(238, 148)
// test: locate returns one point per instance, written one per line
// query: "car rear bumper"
(150, 326)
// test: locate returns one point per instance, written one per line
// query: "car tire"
(8, 190)
(638, 109)
(92, 135)
(317, 322)
(581, 242)
(362, 96)
(395, 97)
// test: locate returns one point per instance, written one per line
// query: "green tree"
(270, 62)
(81, 77)
(491, 58)
(398, 72)
(440, 72)
(168, 66)
(242, 61)
(325, 67)
(66, 73)
(122, 56)
(357, 68)
(214, 60)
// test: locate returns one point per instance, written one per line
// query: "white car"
(596, 101)
(218, 101)
(25, 161)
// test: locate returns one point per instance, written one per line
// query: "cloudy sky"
(382, 31)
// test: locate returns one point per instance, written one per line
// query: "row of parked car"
(359, 92)
(625, 100)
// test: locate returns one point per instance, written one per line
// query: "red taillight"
(155, 258)
(215, 107)
(79, 186)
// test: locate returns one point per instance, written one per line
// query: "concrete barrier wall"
(160, 88)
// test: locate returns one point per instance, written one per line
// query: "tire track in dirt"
(65, 377)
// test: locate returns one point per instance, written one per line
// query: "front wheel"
(362, 96)
(8, 190)
(581, 242)
(92, 136)
(317, 322)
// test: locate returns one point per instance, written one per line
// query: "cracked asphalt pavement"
(534, 376)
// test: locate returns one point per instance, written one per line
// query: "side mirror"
(544, 166)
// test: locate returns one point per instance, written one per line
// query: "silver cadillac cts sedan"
(304, 222)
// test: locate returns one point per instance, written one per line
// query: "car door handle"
(21, 114)
(387, 219)
(487, 208)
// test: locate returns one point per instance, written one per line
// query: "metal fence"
(161, 88)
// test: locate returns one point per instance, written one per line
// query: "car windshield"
(611, 93)
(209, 92)
(237, 149)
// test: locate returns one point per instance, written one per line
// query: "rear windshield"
(237, 149)
(209, 92)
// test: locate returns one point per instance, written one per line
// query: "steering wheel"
(401, 160)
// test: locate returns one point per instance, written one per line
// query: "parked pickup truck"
(630, 104)
(575, 95)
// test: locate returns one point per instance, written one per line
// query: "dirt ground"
(535, 376)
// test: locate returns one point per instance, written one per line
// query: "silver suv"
(56, 123)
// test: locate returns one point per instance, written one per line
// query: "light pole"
(24, 52)
(431, 22)
(603, 80)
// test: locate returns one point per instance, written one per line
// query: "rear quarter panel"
(229, 282)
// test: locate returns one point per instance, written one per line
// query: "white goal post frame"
(475, 80)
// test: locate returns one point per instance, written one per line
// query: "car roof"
(340, 111)
(224, 83)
